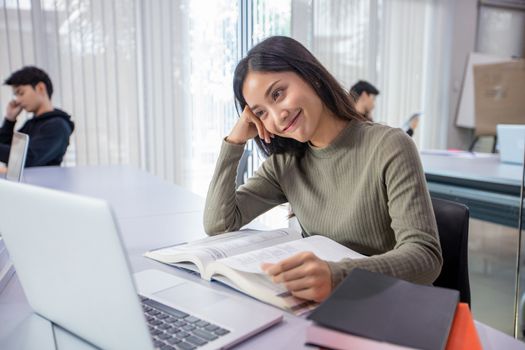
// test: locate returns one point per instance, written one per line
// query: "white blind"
(342, 39)
(401, 55)
(397, 45)
(147, 83)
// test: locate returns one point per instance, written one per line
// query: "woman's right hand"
(247, 127)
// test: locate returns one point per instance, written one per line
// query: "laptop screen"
(17, 156)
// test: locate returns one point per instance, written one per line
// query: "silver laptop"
(17, 157)
(71, 263)
(511, 141)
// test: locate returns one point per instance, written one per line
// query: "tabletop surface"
(473, 166)
(151, 213)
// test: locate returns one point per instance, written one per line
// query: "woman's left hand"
(304, 275)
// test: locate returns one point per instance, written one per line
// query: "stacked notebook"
(373, 311)
(6, 267)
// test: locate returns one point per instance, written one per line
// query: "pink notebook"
(325, 337)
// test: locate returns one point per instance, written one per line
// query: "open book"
(235, 258)
(6, 266)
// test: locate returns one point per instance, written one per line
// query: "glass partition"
(519, 302)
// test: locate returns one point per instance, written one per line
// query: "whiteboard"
(465, 116)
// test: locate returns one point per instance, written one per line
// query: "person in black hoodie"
(50, 127)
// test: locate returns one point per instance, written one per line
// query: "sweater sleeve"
(6, 136)
(50, 143)
(227, 208)
(416, 256)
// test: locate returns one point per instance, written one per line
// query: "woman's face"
(285, 103)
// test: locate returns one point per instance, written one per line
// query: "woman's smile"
(294, 123)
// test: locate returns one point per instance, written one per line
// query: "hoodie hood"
(56, 113)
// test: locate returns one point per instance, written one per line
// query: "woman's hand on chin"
(247, 127)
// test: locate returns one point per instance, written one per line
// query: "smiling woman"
(276, 74)
(358, 183)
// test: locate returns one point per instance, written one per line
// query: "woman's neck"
(329, 127)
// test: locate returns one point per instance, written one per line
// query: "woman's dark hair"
(283, 54)
(30, 75)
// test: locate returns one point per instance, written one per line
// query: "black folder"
(388, 309)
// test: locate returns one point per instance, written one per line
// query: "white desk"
(485, 171)
(490, 189)
(155, 213)
(131, 192)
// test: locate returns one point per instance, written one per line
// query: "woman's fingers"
(248, 127)
(261, 130)
(310, 294)
(304, 275)
(299, 284)
(285, 265)
(263, 133)
(245, 128)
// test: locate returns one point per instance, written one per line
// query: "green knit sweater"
(366, 190)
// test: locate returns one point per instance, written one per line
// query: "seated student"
(48, 130)
(358, 183)
(364, 94)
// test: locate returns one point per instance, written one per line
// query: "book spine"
(5, 275)
(4, 258)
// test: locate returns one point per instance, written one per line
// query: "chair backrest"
(17, 157)
(453, 222)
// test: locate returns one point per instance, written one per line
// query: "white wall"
(488, 29)
(464, 29)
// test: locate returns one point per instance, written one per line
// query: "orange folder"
(463, 334)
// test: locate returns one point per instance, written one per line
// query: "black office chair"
(452, 221)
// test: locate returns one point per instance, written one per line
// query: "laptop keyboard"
(173, 329)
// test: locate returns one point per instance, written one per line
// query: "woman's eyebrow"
(268, 90)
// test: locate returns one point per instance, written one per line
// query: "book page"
(261, 287)
(322, 247)
(227, 244)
